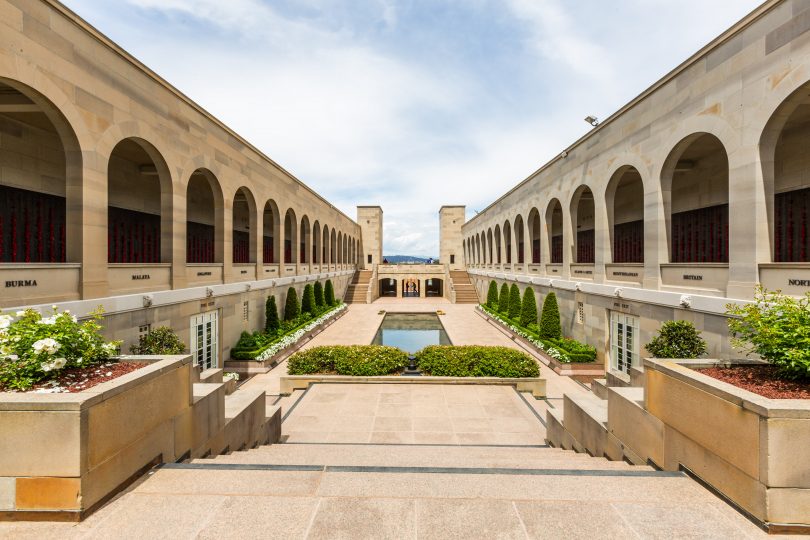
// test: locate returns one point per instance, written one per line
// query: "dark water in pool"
(411, 331)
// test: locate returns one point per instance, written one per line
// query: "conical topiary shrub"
(308, 300)
(292, 308)
(514, 303)
(528, 310)
(503, 300)
(329, 293)
(318, 291)
(271, 322)
(492, 295)
(550, 327)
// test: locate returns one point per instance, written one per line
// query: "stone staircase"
(356, 292)
(597, 423)
(465, 292)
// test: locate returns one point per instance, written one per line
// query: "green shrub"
(291, 308)
(514, 303)
(677, 339)
(355, 360)
(550, 327)
(271, 322)
(160, 340)
(318, 292)
(329, 293)
(308, 300)
(576, 351)
(528, 309)
(475, 361)
(777, 328)
(503, 300)
(492, 295)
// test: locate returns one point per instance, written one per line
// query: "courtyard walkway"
(408, 461)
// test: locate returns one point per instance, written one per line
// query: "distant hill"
(398, 259)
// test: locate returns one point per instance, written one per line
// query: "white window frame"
(624, 337)
(204, 339)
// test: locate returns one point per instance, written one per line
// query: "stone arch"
(205, 218)
(305, 240)
(520, 240)
(317, 243)
(554, 228)
(695, 195)
(624, 202)
(507, 241)
(290, 236)
(271, 236)
(534, 225)
(244, 223)
(583, 223)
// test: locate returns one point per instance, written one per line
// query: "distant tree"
(291, 308)
(308, 300)
(319, 301)
(514, 303)
(329, 293)
(503, 300)
(528, 311)
(271, 322)
(550, 327)
(492, 295)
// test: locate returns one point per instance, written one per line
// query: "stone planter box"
(252, 367)
(290, 383)
(583, 372)
(61, 455)
(753, 450)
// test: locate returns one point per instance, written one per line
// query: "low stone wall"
(290, 383)
(62, 455)
(752, 449)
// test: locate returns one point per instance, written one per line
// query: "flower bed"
(564, 351)
(35, 348)
(268, 350)
(761, 380)
(475, 361)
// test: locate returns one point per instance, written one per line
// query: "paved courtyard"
(408, 461)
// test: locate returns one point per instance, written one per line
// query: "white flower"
(20, 313)
(47, 320)
(5, 321)
(45, 366)
(47, 345)
(59, 363)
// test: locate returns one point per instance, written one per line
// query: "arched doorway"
(534, 234)
(694, 185)
(290, 236)
(434, 287)
(270, 224)
(625, 205)
(204, 217)
(519, 238)
(410, 288)
(388, 287)
(507, 241)
(305, 239)
(138, 192)
(40, 188)
(583, 222)
(244, 221)
(554, 224)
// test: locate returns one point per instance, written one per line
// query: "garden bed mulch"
(80, 379)
(760, 380)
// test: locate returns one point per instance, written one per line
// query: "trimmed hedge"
(271, 322)
(292, 309)
(677, 339)
(356, 360)
(329, 293)
(475, 361)
(528, 311)
(550, 327)
(514, 302)
(308, 300)
(576, 351)
(492, 295)
(320, 303)
(503, 300)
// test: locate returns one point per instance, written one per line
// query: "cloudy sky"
(411, 104)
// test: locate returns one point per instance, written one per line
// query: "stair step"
(586, 418)
(599, 388)
(421, 456)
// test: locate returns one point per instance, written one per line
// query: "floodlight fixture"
(592, 120)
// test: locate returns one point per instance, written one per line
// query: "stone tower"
(451, 247)
(370, 219)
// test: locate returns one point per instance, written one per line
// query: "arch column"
(257, 239)
(568, 243)
(601, 237)
(86, 218)
(749, 229)
(223, 239)
(178, 238)
(656, 245)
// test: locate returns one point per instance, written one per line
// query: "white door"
(204, 334)
(623, 341)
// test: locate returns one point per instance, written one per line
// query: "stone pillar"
(656, 246)
(86, 227)
(602, 247)
(224, 239)
(451, 243)
(178, 240)
(370, 219)
(257, 239)
(749, 239)
(567, 242)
